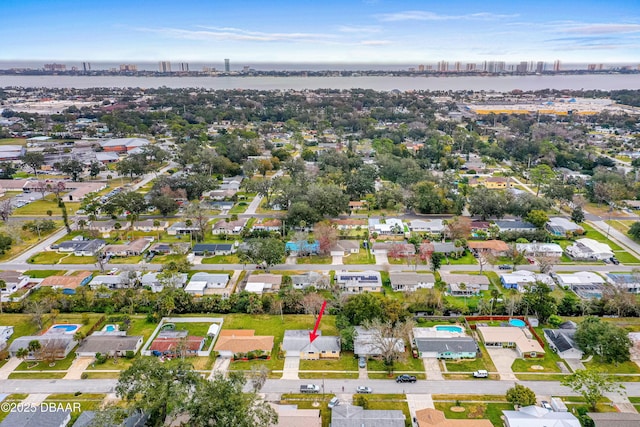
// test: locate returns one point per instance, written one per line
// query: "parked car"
(614, 260)
(364, 389)
(362, 362)
(333, 402)
(404, 378)
(504, 267)
(310, 388)
(546, 405)
(481, 374)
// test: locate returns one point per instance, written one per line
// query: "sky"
(321, 31)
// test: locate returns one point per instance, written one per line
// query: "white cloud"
(375, 42)
(604, 29)
(236, 34)
(422, 15)
(358, 29)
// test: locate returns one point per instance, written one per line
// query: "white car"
(333, 402)
(364, 389)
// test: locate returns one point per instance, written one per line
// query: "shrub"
(84, 376)
(130, 354)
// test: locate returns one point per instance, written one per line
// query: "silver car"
(364, 389)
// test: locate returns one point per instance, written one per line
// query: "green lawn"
(239, 208)
(465, 365)
(40, 207)
(620, 368)
(410, 364)
(42, 274)
(592, 233)
(97, 375)
(314, 259)
(363, 257)
(120, 363)
(58, 365)
(221, 259)
(467, 258)
(346, 362)
(72, 259)
(48, 257)
(476, 410)
(127, 260)
(36, 375)
(525, 365)
(337, 375)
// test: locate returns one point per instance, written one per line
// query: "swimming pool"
(517, 323)
(449, 328)
(110, 328)
(63, 329)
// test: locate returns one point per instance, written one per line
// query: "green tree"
(71, 167)
(634, 230)
(488, 203)
(606, 340)
(269, 251)
(521, 395)
(164, 203)
(34, 160)
(539, 300)
(541, 175)
(436, 261)
(592, 385)
(577, 214)
(363, 307)
(94, 169)
(538, 218)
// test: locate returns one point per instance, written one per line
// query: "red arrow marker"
(313, 335)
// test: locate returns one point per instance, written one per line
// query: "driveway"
(503, 358)
(220, 365)
(9, 367)
(574, 364)
(381, 258)
(291, 367)
(432, 368)
(78, 367)
(336, 260)
(417, 402)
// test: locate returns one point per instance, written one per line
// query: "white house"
(537, 416)
(427, 226)
(411, 281)
(204, 281)
(390, 226)
(540, 249)
(519, 280)
(559, 226)
(359, 281)
(589, 249)
(579, 278)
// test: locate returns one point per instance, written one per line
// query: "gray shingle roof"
(298, 341)
(107, 343)
(356, 416)
(443, 345)
(37, 418)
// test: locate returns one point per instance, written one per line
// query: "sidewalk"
(9, 367)
(78, 367)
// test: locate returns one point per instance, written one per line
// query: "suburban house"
(628, 282)
(133, 248)
(221, 205)
(538, 416)
(491, 182)
(585, 284)
(389, 227)
(589, 249)
(473, 283)
(561, 341)
(180, 228)
(521, 279)
(311, 278)
(443, 344)
(351, 416)
(37, 416)
(495, 248)
(5, 333)
(242, 341)
(106, 227)
(510, 337)
(540, 249)
(393, 249)
(302, 247)
(434, 226)
(345, 247)
(123, 145)
(366, 343)
(614, 419)
(80, 247)
(514, 226)
(561, 227)
(68, 284)
(267, 225)
(231, 227)
(207, 283)
(359, 281)
(220, 194)
(349, 224)
(59, 345)
(260, 283)
(147, 225)
(151, 279)
(431, 417)
(172, 343)
(213, 249)
(297, 343)
(355, 206)
(124, 279)
(291, 416)
(446, 248)
(109, 343)
(411, 281)
(13, 280)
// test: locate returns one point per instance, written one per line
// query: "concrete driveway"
(78, 367)
(291, 368)
(432, 368)
(503, 358)
(336, 260)
(381, 258)
(9, 367)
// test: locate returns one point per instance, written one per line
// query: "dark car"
(504, 267)
(404, 378)
(614, 260)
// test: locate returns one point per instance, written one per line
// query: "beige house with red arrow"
(298, 343)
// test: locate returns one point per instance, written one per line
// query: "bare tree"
(56, 189)
(312, 302)
(41, 187)
(37, 310)
(388, 340)
(546, 263)
(258, 376)
(101, 260)
(5, 209)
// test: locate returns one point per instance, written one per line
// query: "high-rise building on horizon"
(227, 65)
(86, 66)
(421, 68)
(556, 65)
(539, 67)
(522, 67)
(128, 67)
(165, 67)
(443, 66)
(471, 67)
(55, 67)
(184, 67)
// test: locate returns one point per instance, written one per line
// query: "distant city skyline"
(331, 31)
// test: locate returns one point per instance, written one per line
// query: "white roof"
(195, 286)
(256, 288)
(581, 277)
(539, 247)
(594, 246)
(536, 416)
(563, 222)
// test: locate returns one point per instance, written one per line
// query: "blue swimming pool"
(63, 329)
(517, 323)
(450, 328)
(110, 328)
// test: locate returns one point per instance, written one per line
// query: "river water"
(380, 83)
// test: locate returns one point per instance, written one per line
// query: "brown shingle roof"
(492, 245)
(243, 341)
(69, 282)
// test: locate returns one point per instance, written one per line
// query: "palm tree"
(156, 225)
(33, 347)
(22, 353)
